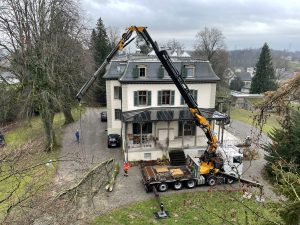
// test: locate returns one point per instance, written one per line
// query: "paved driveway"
(253, 169)
(91, 150)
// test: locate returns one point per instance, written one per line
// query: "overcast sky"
(244, 23)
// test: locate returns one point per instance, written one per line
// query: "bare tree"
(174, 45)
(209, 42)
(113, 36)
(44, 50)
(210, 45)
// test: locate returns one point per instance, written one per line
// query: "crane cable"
(82, 145)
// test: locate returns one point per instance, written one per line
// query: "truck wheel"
(211, 181)
(191, 184)
(177, 185)
(162, 187)
(229, 180)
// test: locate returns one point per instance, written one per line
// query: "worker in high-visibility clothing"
(126, 168)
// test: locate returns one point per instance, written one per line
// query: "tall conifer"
(264, 78)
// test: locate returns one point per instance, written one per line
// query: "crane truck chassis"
(177, 177)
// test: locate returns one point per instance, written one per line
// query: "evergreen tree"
(285, 143)
(236, 84)
(283, 166)
(100, 47)
(264, 78)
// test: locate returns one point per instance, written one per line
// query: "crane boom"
(200, 120)
(184, 91)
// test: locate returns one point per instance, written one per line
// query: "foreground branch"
(73, 191)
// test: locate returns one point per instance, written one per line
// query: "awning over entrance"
(169, 114)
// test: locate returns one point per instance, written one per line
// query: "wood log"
(109, 187)
(84, 179)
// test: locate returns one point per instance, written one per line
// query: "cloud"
(244, 23)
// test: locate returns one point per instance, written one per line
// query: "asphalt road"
(253, 169)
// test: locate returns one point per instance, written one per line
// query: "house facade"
(146, 109)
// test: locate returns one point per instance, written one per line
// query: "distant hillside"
(248, 57)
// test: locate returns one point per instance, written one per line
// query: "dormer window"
(139, 71)
(142, 70)
(162, 73)
(190, 71)
(166, 75)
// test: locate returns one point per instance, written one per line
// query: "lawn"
(26, 181)
(294, 66)
(195, 208)
(246, 116)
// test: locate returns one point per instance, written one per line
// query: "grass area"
(194, 208)
(255, 101)
(294, 66)
(34, 180)
(246, 116)
(26, 131)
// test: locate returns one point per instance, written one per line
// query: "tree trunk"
(68, 115)
(47, 117)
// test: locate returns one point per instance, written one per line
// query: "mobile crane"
(211, 164)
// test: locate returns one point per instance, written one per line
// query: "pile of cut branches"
(91, 183)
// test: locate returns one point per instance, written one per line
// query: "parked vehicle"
(191, 174)
(103, 116)
(113, 140)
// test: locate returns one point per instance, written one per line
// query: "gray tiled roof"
(112, 71)
(203, 70)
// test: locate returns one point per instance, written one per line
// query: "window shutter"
(135, 72)
(135, 97)
(183, 72)
(161, 72)
(172, 97)
(195, 94)
(181, 100)
(159, 98)
(120, 92)
(149, 98)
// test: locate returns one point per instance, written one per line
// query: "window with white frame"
(118, 114)
(190, 71)
(165, 73)
(117, 92)
(142, 71)
(166, 97)
(142, 98)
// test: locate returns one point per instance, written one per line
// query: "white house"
(145, 107)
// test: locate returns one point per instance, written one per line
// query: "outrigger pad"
(162, 215)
